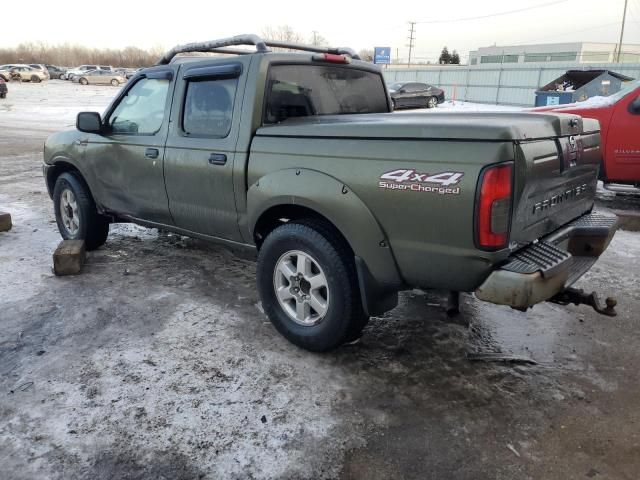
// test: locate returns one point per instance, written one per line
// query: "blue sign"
(382, 55)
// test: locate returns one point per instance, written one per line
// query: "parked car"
(25, 73)
(265, 152)
(56, 72)
(42, 68)
(5, 73)
(85, 68)
(101, 77)
(619, 117)
(415, 95)
(5, 70)
(4, 90)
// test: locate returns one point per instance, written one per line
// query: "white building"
(582, 52)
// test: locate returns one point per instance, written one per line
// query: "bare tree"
(282, 33)
(72, 55)
(317, 40)
(366, 54)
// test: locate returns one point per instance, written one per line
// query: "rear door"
(128, 157)
(201, 147)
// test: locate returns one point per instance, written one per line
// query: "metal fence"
(498, 84)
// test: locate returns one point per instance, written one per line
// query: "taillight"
(493, 207)
(331, 58)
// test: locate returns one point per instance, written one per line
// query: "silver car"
(101, 77)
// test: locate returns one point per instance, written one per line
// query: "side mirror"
(634, 107)
(402, 90)
(89, 122)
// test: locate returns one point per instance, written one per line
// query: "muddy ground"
(157, 362)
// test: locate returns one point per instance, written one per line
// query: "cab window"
(208, 107)
(141, 110)
(308, 90)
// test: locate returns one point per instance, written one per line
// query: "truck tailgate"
(556, 180)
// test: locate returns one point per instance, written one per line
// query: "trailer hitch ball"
(578, 297)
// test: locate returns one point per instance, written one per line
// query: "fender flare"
(378, 272)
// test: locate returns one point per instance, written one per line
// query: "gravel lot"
(156, 361)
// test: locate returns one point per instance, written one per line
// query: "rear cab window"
(208, 107)
(308, 90)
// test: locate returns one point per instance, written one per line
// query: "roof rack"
(262, 46)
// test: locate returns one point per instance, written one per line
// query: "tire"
(83, 81)
(80, 219)
(317, 241)
(115, 82)
(432, 102)
(393, 104)
(3, 95)
(35, 79)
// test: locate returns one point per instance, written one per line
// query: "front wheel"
(84, 81)
(115, 82)
(432, 102)
(308, 286)
(76, 213)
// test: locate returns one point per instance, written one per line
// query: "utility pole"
(624, 18)
(411, 38)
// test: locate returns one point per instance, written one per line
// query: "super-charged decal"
(410, 180)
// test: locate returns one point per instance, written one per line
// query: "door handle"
(83, 142)
(217, 159)
(151, 153)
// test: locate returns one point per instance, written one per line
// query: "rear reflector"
(493, 208)
(330, 57)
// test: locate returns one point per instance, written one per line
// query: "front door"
(201, 148)
(129, 155)
(623, 140)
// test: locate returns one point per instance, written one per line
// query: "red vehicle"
(619, 117)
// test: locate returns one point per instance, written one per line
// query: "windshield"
(306, 90)
(627, 87)
(395, 86)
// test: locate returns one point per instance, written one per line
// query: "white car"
(75, 72)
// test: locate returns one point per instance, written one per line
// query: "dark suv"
(415, 95)
(55, 71)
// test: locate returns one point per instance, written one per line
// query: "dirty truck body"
(346, 203)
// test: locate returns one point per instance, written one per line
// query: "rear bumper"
(539, 271)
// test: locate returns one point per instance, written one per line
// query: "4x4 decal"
(410, 180)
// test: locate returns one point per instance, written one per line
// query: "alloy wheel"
(301, 288)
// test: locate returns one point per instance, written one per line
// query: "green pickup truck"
(299, 157)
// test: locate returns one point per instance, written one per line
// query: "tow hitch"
(578, 297)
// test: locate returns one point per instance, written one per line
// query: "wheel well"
(281, 214)
(57, 170)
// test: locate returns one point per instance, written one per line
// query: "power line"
(563, 34)
(499, 14)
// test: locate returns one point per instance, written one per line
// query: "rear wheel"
(76, 213)
(35, 79)
(308, 285)
(115, 82)
(84, 81)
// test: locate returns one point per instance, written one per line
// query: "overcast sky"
(147, 24)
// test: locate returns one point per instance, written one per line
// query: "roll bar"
(262, 46)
